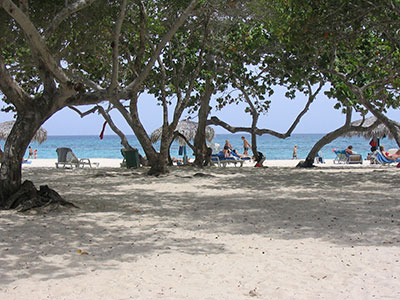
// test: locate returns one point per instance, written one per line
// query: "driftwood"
(28, 197)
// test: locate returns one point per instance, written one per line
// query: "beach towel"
(102, 131)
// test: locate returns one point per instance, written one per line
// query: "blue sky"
(321, 118)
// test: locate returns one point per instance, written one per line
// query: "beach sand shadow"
(125, 214)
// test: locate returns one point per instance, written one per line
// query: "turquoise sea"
(272, 147)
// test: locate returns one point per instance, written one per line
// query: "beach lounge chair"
(66, 158)
(220, 160)
(343, 157)
(378, 158)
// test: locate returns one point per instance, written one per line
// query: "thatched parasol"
(5, 129)
(380, 131)
(187, 129)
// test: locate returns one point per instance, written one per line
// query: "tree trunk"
(16, 144)
(326, 139)
(201, 153)
(255, 116)
(158, 166)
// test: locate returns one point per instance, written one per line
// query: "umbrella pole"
(184, 155)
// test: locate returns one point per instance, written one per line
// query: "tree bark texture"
(200, 146)
(17, 142)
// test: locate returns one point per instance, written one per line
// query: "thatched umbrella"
(5, 129)
(380, 131)
(187, 129)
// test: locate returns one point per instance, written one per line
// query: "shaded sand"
(226, 233)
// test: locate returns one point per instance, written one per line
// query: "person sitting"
(228, 145)
(349, 150)
(387, 155)
(177, 161)
(235, 153)
(259, 158)
(319, 158)
(226, 151)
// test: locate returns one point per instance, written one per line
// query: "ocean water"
(272, 147)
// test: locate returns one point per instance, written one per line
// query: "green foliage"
(349, 42)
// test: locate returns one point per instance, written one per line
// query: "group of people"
(375, 147)
(229, 151)
(32, 153)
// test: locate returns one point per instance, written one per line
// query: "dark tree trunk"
(159, 166)
(14, 194)
(16, 144)
(255, 116)
(201, 153)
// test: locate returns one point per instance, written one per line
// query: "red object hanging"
(102, 131)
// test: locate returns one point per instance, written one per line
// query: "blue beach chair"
(378, 158)
(343, 157)
(221, 160)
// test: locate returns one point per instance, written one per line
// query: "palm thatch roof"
(379, 131)
(187, 129)
(5, 129)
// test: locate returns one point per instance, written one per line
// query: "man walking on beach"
(246, 146)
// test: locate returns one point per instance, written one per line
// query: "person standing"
(35, 153)
(246, 146)
(30, 152)
(295, 152)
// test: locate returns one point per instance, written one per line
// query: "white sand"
(332, 232)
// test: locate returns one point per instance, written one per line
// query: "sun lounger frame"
(80, 164)
(342, 157)
(225, 162)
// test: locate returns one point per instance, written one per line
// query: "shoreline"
(280, 163)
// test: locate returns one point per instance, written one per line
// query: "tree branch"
(143, 75)
(122, 136)
(218, 122)
(83, 114)
(35, 40)
(64, 13)
(15, 94)
(115, 46)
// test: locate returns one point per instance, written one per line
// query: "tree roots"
(28, 198)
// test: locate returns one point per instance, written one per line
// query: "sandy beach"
(331, 232)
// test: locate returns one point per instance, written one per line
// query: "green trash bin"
(131, 158)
